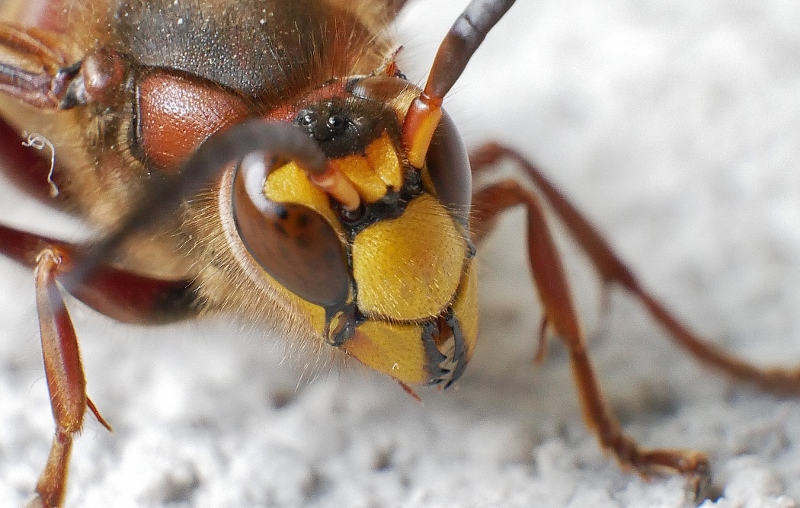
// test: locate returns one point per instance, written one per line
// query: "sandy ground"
(674, 125)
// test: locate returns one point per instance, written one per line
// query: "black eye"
(344, 127)
(337, 124)
(307, 119)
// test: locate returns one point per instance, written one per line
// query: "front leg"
(125, 296)
(613, 271)
(561, 317)
(66, 381)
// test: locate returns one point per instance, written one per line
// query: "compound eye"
(175, 114)
(448, 167)
(294, 244)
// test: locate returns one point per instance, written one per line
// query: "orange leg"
(65, 378)
(612, 270)
(561, 317)
(122, 295)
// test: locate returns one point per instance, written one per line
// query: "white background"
(674, 125)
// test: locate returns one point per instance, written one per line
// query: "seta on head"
(343, 188)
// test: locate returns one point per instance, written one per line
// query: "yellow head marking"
(382, 156)
(366, 181)
(290, 184)
(394, 349)
(409, 267)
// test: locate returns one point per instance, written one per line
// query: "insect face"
(241, 157)
(367, 276)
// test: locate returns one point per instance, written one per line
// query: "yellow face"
(411, 307)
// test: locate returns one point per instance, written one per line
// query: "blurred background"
(674, 126)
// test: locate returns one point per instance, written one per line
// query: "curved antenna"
(458, 46)
(198, 172)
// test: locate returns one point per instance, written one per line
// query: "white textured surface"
(674, 125)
